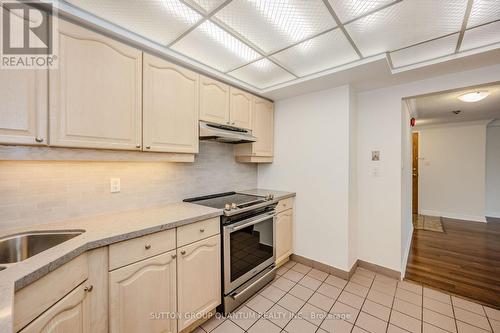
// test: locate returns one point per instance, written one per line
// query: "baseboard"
(454, 216)
(406, 253)
(380, 269)
(493, 214)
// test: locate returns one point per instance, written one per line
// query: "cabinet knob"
(183, 252)
(233, 123)
(202, 230)
(148, 147)
(147, 246)
(89, 288)
(174, 256)
(138, 146)
(39, 139)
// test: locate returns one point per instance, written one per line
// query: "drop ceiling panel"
(161, 21)
(484, 11)
(406, 23)
(214, 47)
(323, 52)
(481, 36)
(262, 74)
(207, 5)
(275, 24)
(425, 51)
(351, 9)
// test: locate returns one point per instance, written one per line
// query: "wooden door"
(199, 279)
(284, 234)
(263, 127)
(170, 107)
(23, 107)
(241, 108)
(70, 314)
(415, 138)
(96, 94)
(139, 293)
(214, 101)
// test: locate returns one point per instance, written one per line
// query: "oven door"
(249, 247)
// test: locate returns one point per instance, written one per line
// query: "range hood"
(226, 134)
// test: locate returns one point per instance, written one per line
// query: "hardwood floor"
(464, 260)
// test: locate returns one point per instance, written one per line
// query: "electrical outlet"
(114, 185)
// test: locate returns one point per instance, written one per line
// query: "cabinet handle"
(89, 288)
(202, 230)
(138, 146)
(39, 139)
(183, 252)
(174, 256)
(147, 246)
(148, 147)
(233, 123)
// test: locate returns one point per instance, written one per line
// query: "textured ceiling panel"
(207, 5)
(481, 36)
(484, 11)
(425, 51)
(351, 9)
(406, 23)
(262, 74)
(214, 47)
(161, 21)
(274, 24)
(326, 51)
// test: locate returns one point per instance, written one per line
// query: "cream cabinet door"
(199, 279)
(214, 101)
(263, 127)
(70, 314)
(142, 296)
(241, 108)
(284, 235)
(23, 106)
(96, 94)
(171, 107)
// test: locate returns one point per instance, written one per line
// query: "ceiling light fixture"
(472, 97)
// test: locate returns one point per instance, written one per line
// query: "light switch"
(114, 185)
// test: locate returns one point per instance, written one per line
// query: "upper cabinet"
(214, 101)
(23, 107)
(96, 94)
(240, 108)
(171, 107)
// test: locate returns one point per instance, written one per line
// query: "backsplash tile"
(34, 192)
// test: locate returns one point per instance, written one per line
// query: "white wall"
(312, 159)
(452, 170)
(493, 170)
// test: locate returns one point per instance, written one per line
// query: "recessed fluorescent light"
(472, 97)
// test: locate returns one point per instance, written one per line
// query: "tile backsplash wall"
(34, 192)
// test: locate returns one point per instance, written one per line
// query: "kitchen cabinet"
(214, 101)
(96, 93)
(171, 107)
(262, 150)
(23, 110)
(284, 235)
(199, 279)
(240, 108)
(143, 296)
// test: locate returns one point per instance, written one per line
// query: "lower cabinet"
(284, 235)
(143, 296)
(199, 279)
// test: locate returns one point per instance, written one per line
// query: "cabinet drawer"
(133, 250)
(192, 232)
(284, 204)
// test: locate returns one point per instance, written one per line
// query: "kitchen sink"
(22, 246)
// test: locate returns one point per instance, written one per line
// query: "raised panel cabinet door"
(23, 106)
(142, 296)
(96, 94)
(241, 108)
(70, 314)
(199, 279)
(171, 107)
(263, 127)
(284, 234)
(214, 101)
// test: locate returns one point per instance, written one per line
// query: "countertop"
(100, 230)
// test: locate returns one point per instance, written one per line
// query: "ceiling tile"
(406, 23)
(207, 5)
(481, 36)
(158, 20)
(484, 11)
(262, 74)
(323, 52)
(350, 9)
(425, 51)
(275, 24)
(214, 47)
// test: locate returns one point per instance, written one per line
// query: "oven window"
(250, 247)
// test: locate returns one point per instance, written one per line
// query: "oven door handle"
(252, 222)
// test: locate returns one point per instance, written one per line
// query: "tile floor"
(302, 300)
